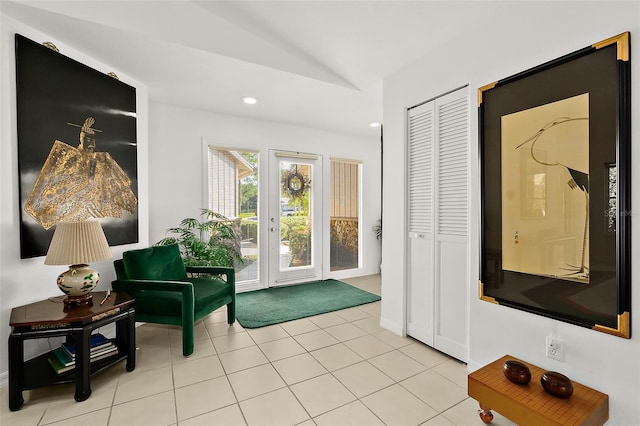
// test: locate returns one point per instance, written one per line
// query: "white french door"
(295, 218)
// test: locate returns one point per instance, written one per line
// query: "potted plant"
(377, 228)
(214, 241)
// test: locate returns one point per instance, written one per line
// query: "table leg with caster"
(485, 414)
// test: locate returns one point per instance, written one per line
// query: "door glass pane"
(233, 192)
(344, 232)
(295, 215)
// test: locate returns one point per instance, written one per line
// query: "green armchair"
(158, 280)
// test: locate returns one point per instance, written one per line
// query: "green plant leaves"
(213, 241)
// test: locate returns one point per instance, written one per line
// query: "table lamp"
(75, 186)
(78, 244)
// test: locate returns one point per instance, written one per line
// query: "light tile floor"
(338, 368)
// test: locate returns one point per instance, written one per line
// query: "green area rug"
(260, 308)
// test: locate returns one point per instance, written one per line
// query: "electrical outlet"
(554, 348)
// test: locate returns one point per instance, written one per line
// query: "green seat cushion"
(205, 292)
(209, 290)
(155, 263)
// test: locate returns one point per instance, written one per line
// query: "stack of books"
(63, 358)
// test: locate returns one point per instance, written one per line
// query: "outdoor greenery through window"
(295, 215)
(233, 192)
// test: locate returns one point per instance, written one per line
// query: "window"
(344, 214)
(233, 192)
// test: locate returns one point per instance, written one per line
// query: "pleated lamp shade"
(76, 243)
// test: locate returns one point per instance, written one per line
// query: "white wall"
(170, 176)
(23, 281)
(177, 175)
(522, 36)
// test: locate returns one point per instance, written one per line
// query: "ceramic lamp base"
(77, 284)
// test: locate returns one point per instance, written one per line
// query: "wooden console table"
(531, 404)
(49, 318)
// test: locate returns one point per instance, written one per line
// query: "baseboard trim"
(392, 327)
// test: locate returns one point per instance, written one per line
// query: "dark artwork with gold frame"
(555, 151)
(55, 95)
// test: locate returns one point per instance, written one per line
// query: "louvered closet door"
(421, 139)
(452, 218)
(437, 302)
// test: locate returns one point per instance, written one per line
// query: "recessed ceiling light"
(374, 124)
(249, 100)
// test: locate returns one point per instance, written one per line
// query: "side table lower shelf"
(38, 371)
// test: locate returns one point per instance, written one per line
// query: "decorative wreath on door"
(295, 184)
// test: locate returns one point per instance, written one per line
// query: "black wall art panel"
(56, 96)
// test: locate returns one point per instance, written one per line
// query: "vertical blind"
(223, 183)
(344, 189)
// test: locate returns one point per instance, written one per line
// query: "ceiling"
(311, 63)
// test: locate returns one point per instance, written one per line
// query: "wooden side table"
(48, 318)
(531, 404)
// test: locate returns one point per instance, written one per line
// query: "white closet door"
(421, 136)
(452, 218)
(438, 183)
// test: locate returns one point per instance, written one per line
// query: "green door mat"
(260, 308)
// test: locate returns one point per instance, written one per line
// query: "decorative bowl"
(556, 384)
(517, 372)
